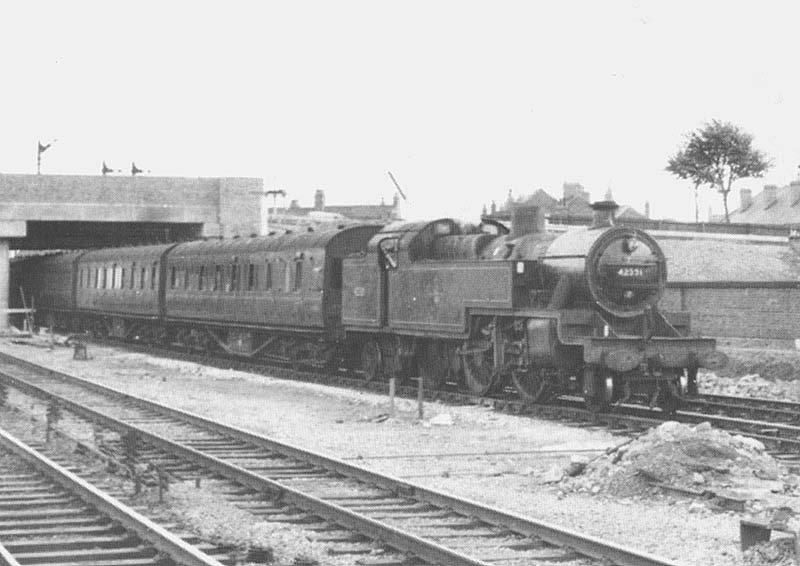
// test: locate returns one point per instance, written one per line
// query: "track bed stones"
(752, 385)
(768, 363)
(216, 519)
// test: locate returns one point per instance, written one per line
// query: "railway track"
(278, 480)
(48, 515)
(773, 422)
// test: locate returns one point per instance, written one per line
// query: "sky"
(463, 101)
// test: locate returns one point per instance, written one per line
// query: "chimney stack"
(745, 199)
(770, 193)
(604, 211)
(319, 200)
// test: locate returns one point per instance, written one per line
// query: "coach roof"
(131, 252)
(280, 242)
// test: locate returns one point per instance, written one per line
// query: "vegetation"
(717, 155)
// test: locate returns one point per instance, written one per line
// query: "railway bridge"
(57, 212)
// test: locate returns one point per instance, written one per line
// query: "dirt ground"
(517, 464)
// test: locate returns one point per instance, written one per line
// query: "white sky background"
(462, 101)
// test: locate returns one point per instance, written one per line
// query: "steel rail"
(375, 529)
(561, 537)
(161, 539)
(6, 558)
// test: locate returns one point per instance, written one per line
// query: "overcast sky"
(462, 101)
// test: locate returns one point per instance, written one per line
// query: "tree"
(717, 155)
(688, 163)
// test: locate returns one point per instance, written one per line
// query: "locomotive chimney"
(604, 211)
(526, 220)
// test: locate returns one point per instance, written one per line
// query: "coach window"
(287, 276)
(268, 276)
(233, 277)
(173, 280)
(316, 276)
(142, 277)
(153, 275)
(217, 278)
(201, 278)
(133, 275)
(122, 278)
(113, 276)
(251, 276)
(298, 274)
(186, 278)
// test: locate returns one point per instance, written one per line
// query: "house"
(773, 205)
(575, 205)
(296, 217)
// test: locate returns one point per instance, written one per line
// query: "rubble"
(778, 552)
(696, 460)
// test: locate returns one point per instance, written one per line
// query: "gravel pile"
(697, 458)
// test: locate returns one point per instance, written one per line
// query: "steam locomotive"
(484, 309)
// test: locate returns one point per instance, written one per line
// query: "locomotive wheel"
(532, 385)
(371, 360)
(435, 364)
(598, 389)
(479, 371)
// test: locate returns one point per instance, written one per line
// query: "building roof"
(572, 207)
(784, 208)
(541, 199)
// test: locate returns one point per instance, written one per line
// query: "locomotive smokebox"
(604, 211)
(526, 220)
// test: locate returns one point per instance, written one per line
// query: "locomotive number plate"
(631, 271)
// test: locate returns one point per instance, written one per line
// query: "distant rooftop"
(773, 205)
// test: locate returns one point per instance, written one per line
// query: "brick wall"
(740, 310)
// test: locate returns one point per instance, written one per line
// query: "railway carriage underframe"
(498, 351)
